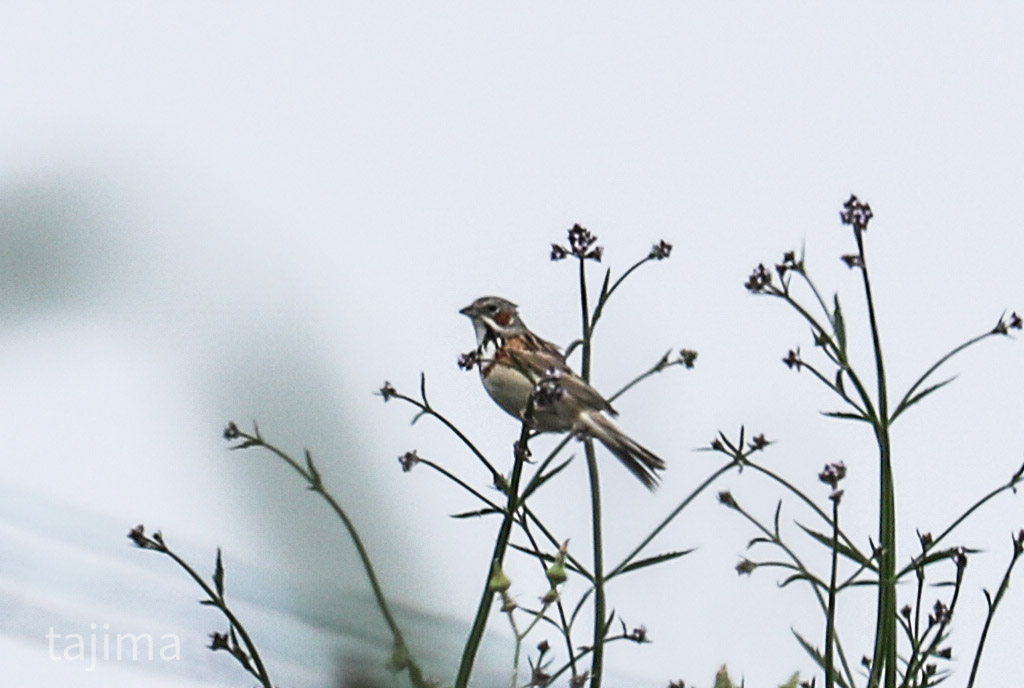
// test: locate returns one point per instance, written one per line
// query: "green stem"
(476, 634)
(600, 602)
(885, 629)
(993, 604)
(597, 661)
(221, 604)
(830, 619)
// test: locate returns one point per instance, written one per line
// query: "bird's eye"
(493, 308)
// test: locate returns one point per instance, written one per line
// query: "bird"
(516, 366)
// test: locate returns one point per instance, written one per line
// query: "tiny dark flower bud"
(470, 360)
(219, 641)
(960, 557)
(1002, 327)
(543, 646)
(760, 280)
(660, 251)
(906, 611)
(688, 357)
(138, 536)
(638, 635)
(408, 460)
(558, 252)
(717, 445)
(792, 359)
(945, 653)
(856, 213)
(836, 496)
(580, 680)
(930, 669)
(759, 442)
(726, 499)
(925, 539)
(745, 567)
(387, 391)
(852, 260)
(581, 245)
(833, 473)
(941, 614)
(549, 390)
(231, 432)
(865, 661)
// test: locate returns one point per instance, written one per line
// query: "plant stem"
(312, 476)
(993, 604)
(476, 634)
(597, 658)
(885, 628)
(830, 619)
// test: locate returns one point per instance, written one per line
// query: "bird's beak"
(467, 311)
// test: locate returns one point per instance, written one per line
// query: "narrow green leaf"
(840, 547)
(651, 561)
(543, 556)
(818, 658)
(476, 513)
(844, 415)
(579, 605)
(314, 474)
(218, 575)
(798, 577)
(907, 403)
(839, 326)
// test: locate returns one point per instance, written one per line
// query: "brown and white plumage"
(513, 361)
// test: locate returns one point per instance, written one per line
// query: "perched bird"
(517, 365)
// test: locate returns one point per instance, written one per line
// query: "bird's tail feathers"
(641, 462)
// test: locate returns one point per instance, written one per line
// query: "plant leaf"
(819, 659)
(839, 326)
(218, 575)
(651, 561)
(844, 550)
(907, 403)
(845, 415)
(476, 513)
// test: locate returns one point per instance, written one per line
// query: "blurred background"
(260, 212)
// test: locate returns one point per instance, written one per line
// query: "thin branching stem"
(312, 476)
(214, 598)
(993, 604)
(427, 409)
(809, 502)
(830, 617)
(476, 633)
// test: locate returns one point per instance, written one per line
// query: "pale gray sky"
(258, 210)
